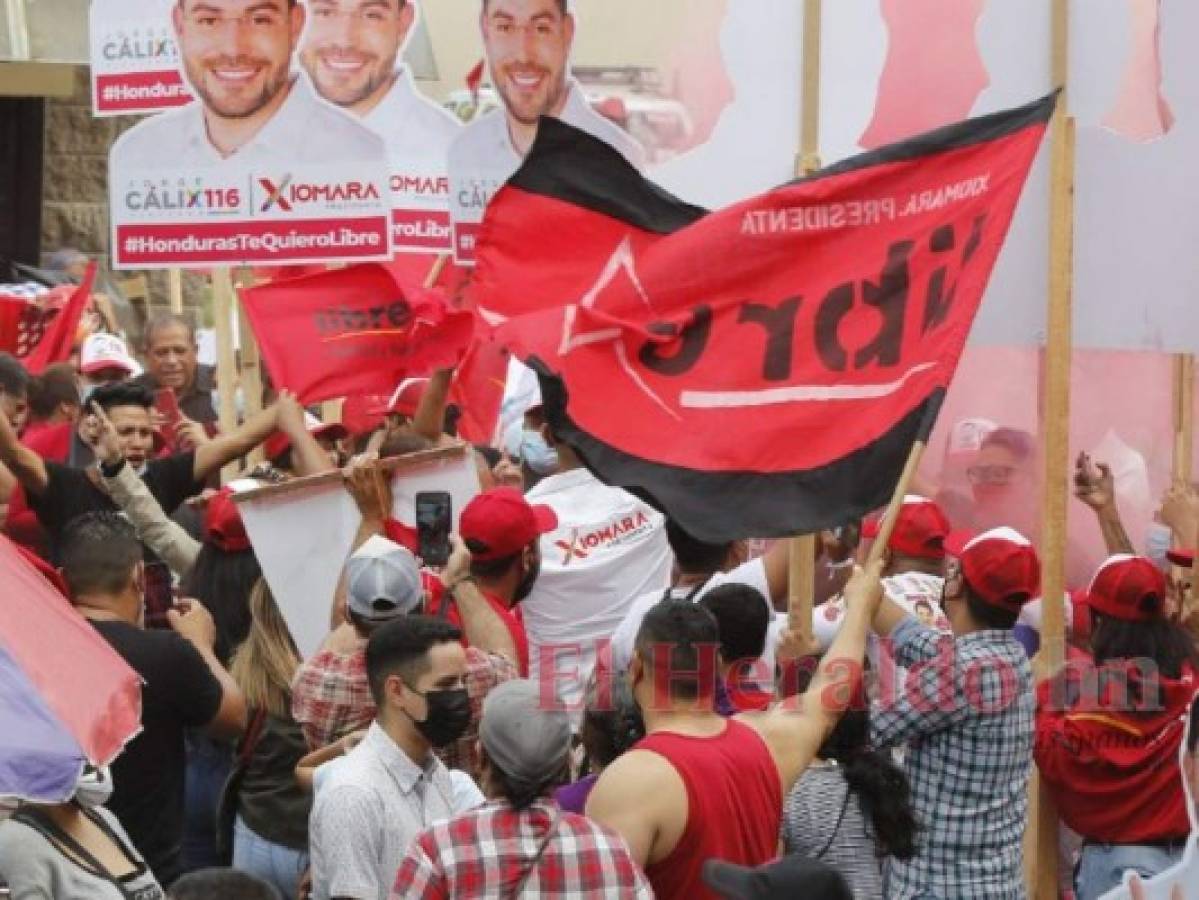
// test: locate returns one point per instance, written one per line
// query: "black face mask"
(525, 586)
(447, 718)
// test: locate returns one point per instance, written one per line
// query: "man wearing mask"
(392, 786)
(503, 533)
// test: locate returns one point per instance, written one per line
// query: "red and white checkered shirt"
(331, 696)
(486, 853)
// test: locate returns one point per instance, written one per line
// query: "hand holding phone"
(434, 520)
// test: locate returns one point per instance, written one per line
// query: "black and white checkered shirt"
(965, 710)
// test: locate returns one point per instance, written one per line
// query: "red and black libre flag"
(352, 331)
(762, 370)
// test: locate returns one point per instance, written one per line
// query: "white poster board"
(302, 531)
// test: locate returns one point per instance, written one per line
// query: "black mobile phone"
(433, 523)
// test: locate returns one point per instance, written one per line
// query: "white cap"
(106, 351)
(382, 581)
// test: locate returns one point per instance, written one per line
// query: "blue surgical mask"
(539, 456)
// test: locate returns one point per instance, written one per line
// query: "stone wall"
(75, 186)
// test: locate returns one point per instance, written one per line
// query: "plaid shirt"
(486, 853)
(966, 712)
(331, 696)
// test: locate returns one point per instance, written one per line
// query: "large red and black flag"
(765, 369)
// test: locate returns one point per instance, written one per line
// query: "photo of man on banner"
(352, 52)
(527, 45)
(257, 169)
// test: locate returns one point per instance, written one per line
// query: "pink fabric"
(1141, 112)
(934, 72)
(83, 681)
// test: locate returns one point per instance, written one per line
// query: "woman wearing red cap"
(1108, 736)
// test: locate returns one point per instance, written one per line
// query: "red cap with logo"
(1127, 587)
(920, 530)
(500, 523)
(223, 526)
(1001, 566)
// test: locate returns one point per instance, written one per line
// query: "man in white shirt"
(391, 786)
(351, 52)
(528, 44)
(609, 547)
(237, 57)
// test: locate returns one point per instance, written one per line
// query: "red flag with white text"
(356, 330)
(762, 370)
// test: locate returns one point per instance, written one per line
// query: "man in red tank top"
(702, 787)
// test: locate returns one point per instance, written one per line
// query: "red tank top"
(735, 806)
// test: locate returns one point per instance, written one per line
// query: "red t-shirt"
(435, 592)
(1114, 773)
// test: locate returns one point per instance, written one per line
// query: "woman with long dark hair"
(852, 808)
(1108, 736)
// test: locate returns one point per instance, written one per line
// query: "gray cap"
(382, 581)
(525, 733)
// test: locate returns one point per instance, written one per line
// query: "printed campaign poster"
(351, 51)
(134, 61)
(305, 129)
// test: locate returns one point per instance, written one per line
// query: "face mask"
(447, 718)
(539, 456)
(94, 787)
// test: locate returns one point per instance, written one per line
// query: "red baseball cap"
(1128, 587)
(223, 526)
(1184, 558)
(405, 399)
(1001, 566)
(279, 443)
(920, 530)
(500, 523)
(360, 415)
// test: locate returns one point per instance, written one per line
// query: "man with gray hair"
(521, 840)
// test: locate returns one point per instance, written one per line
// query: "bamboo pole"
(1184, 417)
(1041, 840)
(891, 516)
(801, 580)
(226, 361)
(175, 290)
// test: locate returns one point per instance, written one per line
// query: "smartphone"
(433, 523)
(167, 405)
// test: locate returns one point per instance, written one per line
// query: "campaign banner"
(304, 138)
(353, 331)
(134, 58)
(302, 531)
(843, 298)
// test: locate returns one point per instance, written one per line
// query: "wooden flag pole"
(226, 360)
(1041, 840)
(435, 270)
(887, 523)
(248, 362)
(175, 290)
(801, 584)
(1184, 417)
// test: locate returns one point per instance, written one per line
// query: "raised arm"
(166, 538)
(307, 456)
(1095, 487)
(429, 420)
(795, 730)
(25, 465)
(225, 448)
(483, 626)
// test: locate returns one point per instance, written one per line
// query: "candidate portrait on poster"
(257, 169)
(352, 51)
(527, 44)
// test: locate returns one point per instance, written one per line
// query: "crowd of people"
(534, 718)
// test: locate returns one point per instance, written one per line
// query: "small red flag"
(357, 330)
(59, 337)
